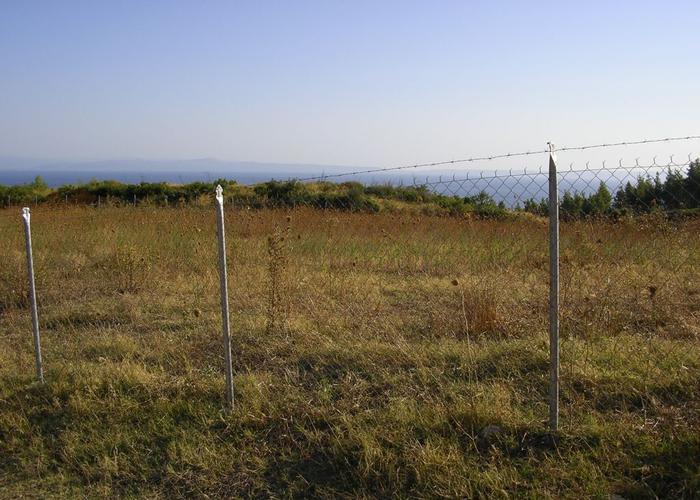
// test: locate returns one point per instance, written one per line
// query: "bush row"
(678, 191)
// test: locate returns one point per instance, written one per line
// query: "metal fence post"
(553, 292)
(223, 279)
(32, 294)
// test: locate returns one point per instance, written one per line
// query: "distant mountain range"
(17, 170)
(202, 164)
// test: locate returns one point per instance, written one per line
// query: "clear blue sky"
(341, 82)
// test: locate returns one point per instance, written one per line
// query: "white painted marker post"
(32, 294)
(223, 280)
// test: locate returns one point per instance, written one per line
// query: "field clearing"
(374, 355)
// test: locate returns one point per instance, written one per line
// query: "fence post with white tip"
(32, 294)
(553, 292)
(223, 281)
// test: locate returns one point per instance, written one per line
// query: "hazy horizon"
(325, 83)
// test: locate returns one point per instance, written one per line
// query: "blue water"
(502, 187)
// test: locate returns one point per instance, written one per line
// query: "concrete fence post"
(553, 292)
(32, 294)
(223, 281)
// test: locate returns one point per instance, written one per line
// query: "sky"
(366, 83)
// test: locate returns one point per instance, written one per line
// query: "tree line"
(677, 191)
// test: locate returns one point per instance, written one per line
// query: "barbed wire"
(419, 165)
(538, 171)
(626, 143)
(553, 148)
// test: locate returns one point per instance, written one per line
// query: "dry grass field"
(375, 355)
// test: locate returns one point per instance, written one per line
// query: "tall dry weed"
(278, 304)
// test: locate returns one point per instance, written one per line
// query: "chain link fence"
(630, 282)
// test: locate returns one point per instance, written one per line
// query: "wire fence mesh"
(630, 284)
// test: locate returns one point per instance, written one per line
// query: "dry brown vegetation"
(374, 355)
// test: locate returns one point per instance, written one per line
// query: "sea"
(511, 188)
